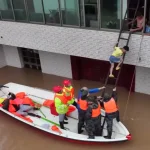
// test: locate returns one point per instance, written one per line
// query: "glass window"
(6, 9)
(70, 12)
(19, 10)
(35, 10)
(51, 10)
(89, 13)
(110, 14)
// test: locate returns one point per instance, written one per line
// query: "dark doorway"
(97, 70)
(30, 58)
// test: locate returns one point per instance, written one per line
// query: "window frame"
(49, 23)
(106, 29)
(14, 19)
(27, 11)
(78, 14)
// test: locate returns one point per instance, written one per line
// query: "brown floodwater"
(15, 135)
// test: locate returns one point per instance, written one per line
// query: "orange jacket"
(110, 106)
(83, 104)
(11, 107)
(68, 92)
(96, 112)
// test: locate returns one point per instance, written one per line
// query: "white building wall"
(142, 80)
(71, 41)
(12, 56)
(2, 57)
(56, 64)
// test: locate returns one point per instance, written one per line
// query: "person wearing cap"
(69, 92)
(93, 118)
(61, 105)
(111, 111)
(115, 58)
(90, 91)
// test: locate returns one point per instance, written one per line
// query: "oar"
(38, 116)
(42, 113)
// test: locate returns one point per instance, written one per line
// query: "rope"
(126, 107)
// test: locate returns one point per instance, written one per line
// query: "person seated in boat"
(20, 106)
(69, 93)
(5, 103)
(115, 58)
(61, 105)
(111, 111)
(93, 118)
(83, 105)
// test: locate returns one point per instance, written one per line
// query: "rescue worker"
(61, 105)
(111, 111)
(93, 117)
(90, 91)
(69, 93)
(83, 105)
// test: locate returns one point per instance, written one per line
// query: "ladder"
(116, 78)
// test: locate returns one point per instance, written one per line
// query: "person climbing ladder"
(115, 58)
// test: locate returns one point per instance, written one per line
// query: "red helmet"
(66, 82)
(57, 89)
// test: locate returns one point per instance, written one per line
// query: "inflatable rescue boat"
(44, 119)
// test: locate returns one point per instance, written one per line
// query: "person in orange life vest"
(93, 117)
(111, 110)
(69, 92)
(17, 105)
(83, 105)
(61, 105)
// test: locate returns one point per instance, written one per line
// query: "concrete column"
(2, 57)
(12, 56)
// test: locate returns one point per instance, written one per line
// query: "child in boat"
(93, 117)
(111, 111)
(115, 58)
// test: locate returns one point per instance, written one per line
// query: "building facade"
(65, 32)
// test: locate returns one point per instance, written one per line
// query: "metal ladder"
(122, 38)
(127, 42)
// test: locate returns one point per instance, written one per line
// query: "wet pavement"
(135, 114)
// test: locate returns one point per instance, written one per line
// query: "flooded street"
(15, 135)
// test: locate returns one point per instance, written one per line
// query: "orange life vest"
(11, 107)
(83, 104)
(28, 101)
(61, 97)
(96, 112)
(70, 91)
(110, 106)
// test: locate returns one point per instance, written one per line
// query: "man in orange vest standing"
(83, 108)
(93, 117)
(111, 111)
(61, 105)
